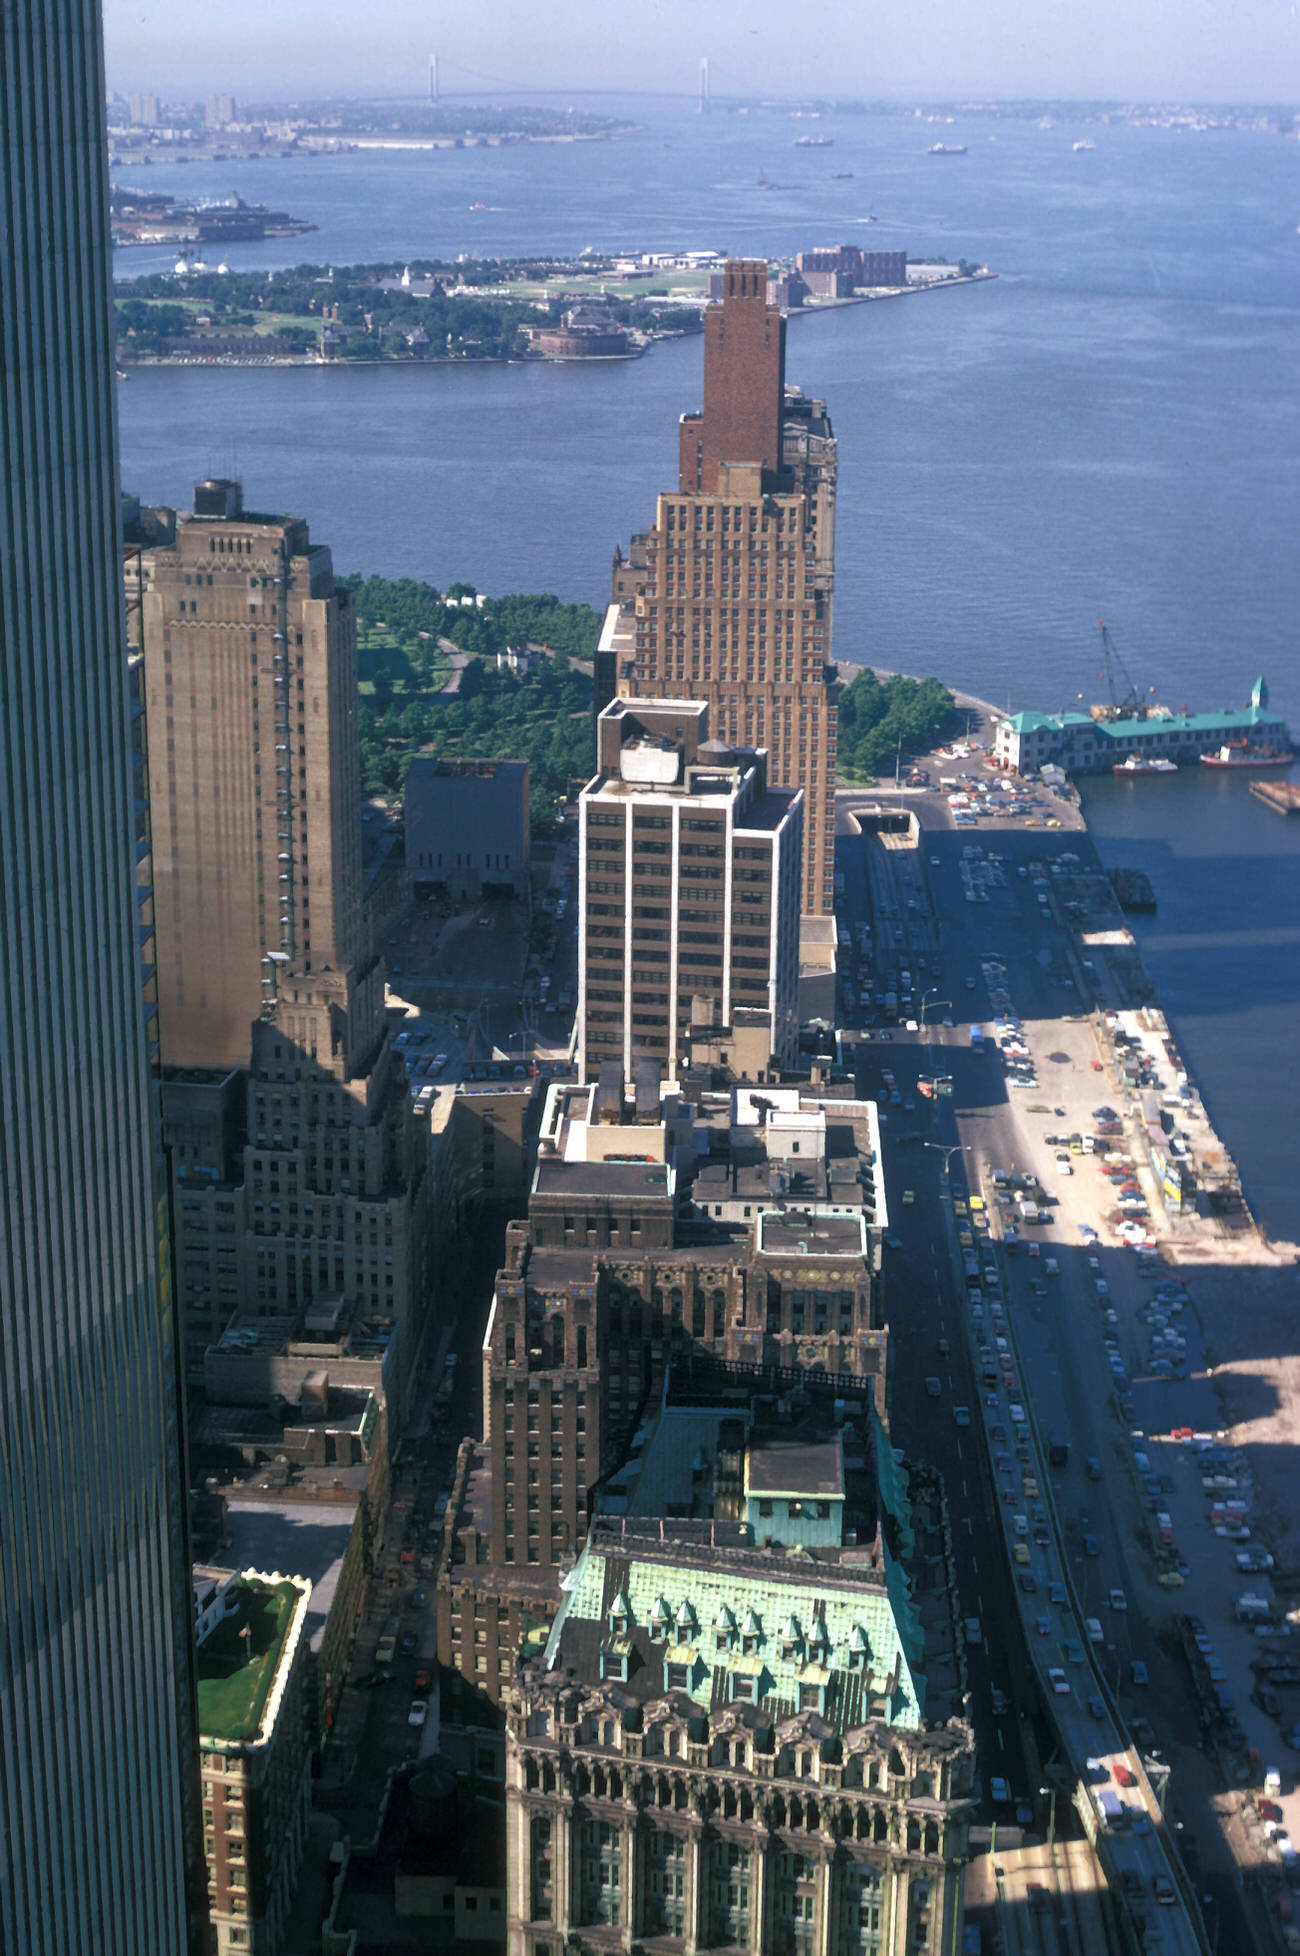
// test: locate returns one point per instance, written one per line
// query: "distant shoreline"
(312, 150)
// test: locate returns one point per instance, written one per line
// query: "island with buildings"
(588, 307)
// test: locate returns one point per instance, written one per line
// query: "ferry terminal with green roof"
(1089, 743)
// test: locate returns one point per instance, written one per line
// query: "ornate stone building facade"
(728, 1741)
(729, 1831)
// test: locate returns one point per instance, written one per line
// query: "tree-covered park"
(543, 716)
(877, 715)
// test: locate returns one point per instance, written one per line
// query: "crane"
(1130, 703)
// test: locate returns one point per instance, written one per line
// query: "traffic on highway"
(1017, 1340)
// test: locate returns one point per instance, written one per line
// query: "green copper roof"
(1243, 719)
(851, 1616)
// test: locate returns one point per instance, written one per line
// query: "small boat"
(814, 142)
(946, 149)
(841, 176)
(1083, 143)
(1143, 764)
(1240, 753)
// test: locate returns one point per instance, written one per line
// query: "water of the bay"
(1110, 429)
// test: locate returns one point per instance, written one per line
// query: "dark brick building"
(638, 1249)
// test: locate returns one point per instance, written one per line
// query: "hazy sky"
(1221, 50)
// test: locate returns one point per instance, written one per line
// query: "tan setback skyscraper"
(728, 598)
(251, 695)
(299, 1171)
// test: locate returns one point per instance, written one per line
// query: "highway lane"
(1007, 921)
(921, 1313)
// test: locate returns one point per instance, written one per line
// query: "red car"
(1125, 1776)
(1268, 1810)
(423, 1678)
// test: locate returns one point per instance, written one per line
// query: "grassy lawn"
(639, 286)
(262, 322)
(234, 1672)
(376, 648)
(276, 322)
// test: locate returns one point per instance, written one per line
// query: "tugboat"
(1243, 753)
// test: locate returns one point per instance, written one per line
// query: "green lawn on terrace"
(234, 1672)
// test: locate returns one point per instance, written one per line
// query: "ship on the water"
(814, 142)
(946, 149)
(1134, 891)
(1138, 764)
(1245, 753)
(141, 217)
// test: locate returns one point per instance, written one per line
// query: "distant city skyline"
(1174, 50)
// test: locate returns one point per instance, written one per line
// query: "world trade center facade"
(96, 1727)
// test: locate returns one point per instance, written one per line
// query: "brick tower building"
(727, 599)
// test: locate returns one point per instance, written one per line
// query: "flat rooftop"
(478, 770)
(573, 1178)
(769, 810)
(302, 1538)
(810, 1233)
(549, 1268)
(779, 1465)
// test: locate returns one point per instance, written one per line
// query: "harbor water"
(1111, 428)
